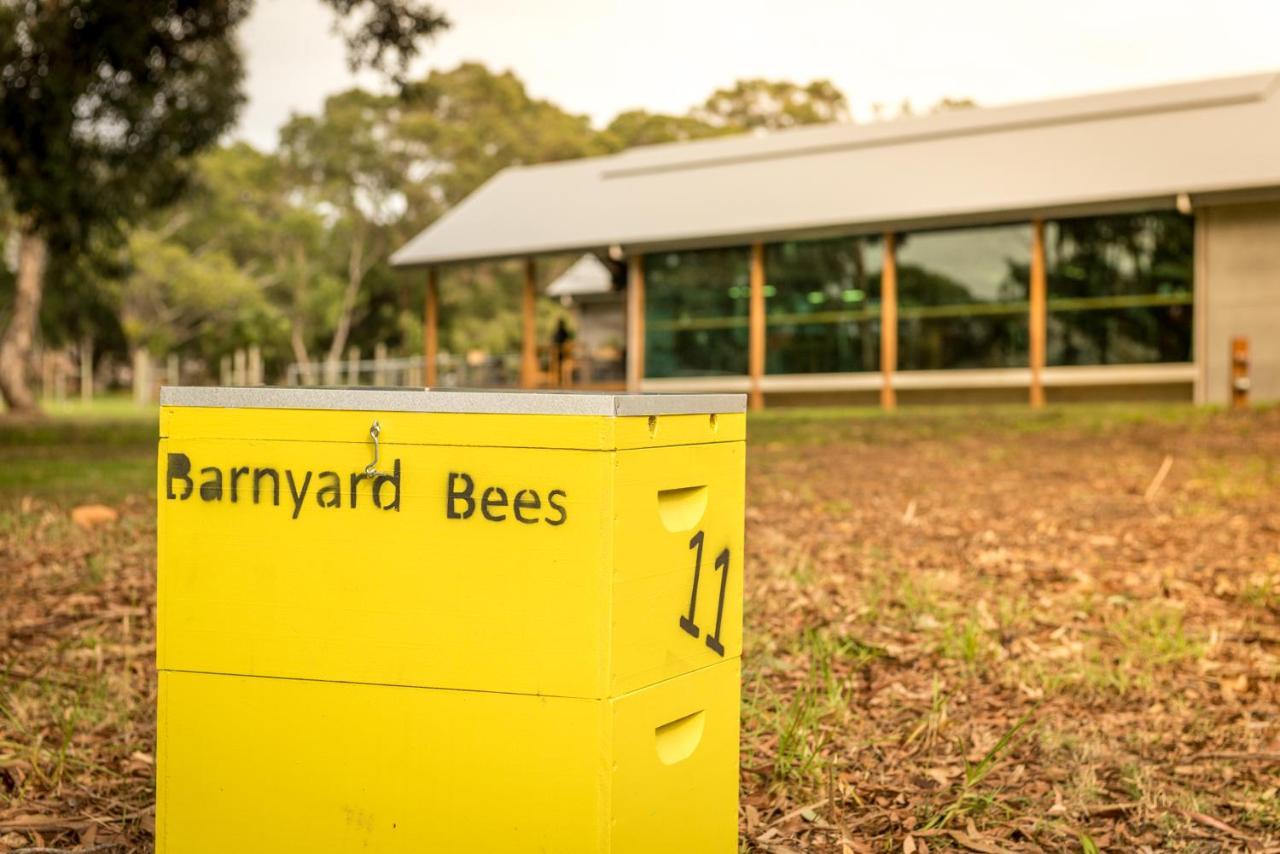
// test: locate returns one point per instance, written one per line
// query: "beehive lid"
(457, 401)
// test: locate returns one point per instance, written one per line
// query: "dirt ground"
(977, 630)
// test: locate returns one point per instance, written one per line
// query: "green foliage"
(465, 125)
(774, 105)
(173, 300)
(102, 103)
(639, 127)
(288, 249)
(385, 34)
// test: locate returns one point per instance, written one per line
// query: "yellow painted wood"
(586, 432)
(657, 518)
(269, 765)
(391, 677)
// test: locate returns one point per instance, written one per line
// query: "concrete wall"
(1238, 293)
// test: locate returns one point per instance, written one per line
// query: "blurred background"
(212, 194)
(1040, 612)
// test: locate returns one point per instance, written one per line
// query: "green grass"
(874, 425)
(102, 452)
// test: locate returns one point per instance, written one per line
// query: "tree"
(457, 129)
(173, 298)
(103, 105)
(639, 127)
(774, 105)
(348, 161)
(239, 207)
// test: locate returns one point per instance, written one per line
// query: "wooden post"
(1039, 311)
(60, 377)
(635, 322)
(255, 365)
(889, 321)
(1239, 373)
(240, 368)
(86, 369)
(529, 333)
(173, 369)
(353, 366)
(756, 327)
(224, 371)
(141, 377)
(431, 328)
(379, 364)
(46, 373)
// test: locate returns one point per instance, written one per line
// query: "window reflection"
(1119, 289)
(822, 304)
(962, 298)
(696, 312)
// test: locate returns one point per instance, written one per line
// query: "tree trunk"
(299, 345)
(355, 274)
(19, 335)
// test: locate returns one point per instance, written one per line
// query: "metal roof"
(453, 400)
(1118, 149)
(587, 276)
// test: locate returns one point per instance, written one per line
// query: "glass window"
(1120, 289)
(962, 298)
(822, 305)
(695, 315)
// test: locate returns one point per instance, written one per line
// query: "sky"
(600, 57)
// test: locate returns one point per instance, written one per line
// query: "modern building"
(1110, 245)
(592, 291)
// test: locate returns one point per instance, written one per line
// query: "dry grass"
(964, 631)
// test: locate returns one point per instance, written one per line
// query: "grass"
(99, 453)
(1034, 655)
(826, 424)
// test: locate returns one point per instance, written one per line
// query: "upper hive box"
(562, 544)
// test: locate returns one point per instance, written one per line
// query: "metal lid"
(453, 400)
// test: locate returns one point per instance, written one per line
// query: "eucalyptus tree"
(105, 103)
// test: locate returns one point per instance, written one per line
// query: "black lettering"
(494, 496)
(356, 477)
(464, 495)
(713, 639)
(236, 473)
(686, 622)
(211, 490)
(559, 508)
(258, 475)
(383, 479)
(178, 468)
(298, 494)
(334, 490)
(533, 503)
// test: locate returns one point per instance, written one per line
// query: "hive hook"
(371, 470)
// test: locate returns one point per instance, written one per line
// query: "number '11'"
(686, 621)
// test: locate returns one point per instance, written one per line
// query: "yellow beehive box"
(406, 620)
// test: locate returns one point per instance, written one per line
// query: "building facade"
(1109, 246)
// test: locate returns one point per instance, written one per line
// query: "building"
(1110, 245)
(592, 291)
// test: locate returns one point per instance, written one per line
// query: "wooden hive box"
(521, 632)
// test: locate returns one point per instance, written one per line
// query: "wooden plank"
(1239, 373)
(431, 328)
(756, 327)
(1038, 308)
(529, 334)
(1200, 305)
(635, 322)
(889, 321)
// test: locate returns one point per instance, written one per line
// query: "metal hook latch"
(371, 470)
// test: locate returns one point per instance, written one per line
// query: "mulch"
(974, 636)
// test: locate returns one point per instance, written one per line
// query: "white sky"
(600, 57)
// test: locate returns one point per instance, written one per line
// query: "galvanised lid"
(466, 401)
